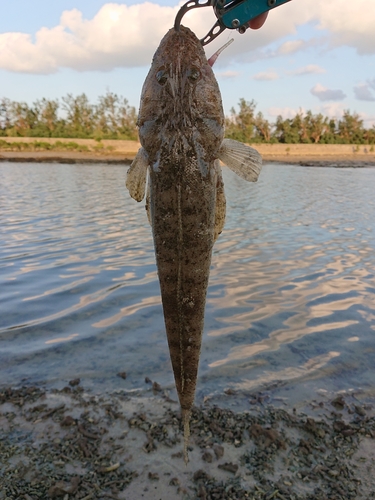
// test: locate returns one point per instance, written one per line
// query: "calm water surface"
(291, 302)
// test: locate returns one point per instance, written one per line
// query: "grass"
(55, 146)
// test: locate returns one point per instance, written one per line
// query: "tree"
(262, 128)
(47, 115)
(350, 128)
(369, 135)
(5, 115)
(115, 118)
(287, 131)
(240, 126)
(316, 126)
(127, 120)
(79, 116)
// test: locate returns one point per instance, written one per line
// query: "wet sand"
(72, 444)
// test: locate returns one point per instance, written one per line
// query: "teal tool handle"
(234, 14)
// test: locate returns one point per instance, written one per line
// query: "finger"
(258, 21)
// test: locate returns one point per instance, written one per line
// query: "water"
(291, 302)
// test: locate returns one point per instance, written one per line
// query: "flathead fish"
(181, 130)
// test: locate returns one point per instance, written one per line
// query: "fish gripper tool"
(231, 14)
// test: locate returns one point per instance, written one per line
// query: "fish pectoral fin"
(242, 159)
(136, 177)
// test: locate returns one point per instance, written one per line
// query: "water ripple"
(290, 301)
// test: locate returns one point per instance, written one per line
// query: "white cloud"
(124, 36)
(117, 36)
(308, 70)
(228, 75)
(332, 110)
(290, 47)
(337, 23)
(368, 120)
(336, 110)
(324, 94)
(266, 75)
(284, 112)
(349, 23)
(363, 92)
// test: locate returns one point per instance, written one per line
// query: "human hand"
(258, 21)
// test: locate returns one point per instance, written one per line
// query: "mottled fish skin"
(181, 127)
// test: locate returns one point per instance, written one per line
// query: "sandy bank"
(111, 151)
(65, 157)
(75, 445)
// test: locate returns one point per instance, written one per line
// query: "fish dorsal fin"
(242, 159)
(137, 173)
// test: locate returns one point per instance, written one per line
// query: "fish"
(181, 131)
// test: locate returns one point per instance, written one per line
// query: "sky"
(316, 55)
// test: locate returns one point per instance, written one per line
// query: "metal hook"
(215, 31)
(191, 4)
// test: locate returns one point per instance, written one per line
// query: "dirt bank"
(111, 151)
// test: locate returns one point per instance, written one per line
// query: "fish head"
(180, 96)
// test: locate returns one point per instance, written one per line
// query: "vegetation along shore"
(74, 130)
(111, 117)
(64, 150)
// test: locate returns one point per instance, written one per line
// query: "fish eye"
(162, 76)
(193, 74)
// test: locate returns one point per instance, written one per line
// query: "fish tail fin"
(186, 414)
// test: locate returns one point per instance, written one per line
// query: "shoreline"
(123, 152)
(82, 158)
(70, 443)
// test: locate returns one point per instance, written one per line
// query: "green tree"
(316, 126)
(241, 126)
(115, 118)
(80, 116)
(369, 135)
(262, 128)
(5, 115)
(48, 123)
(350, 128)
(127, 120)
(287, 131)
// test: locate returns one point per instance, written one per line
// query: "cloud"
(266, 75)
(363, 92)
(127, 36)
(339, 23)
(349, 23)
(284, 112)
(122, 35)
(228, 75)
(310, 69)
(290, 47)
(332, 110)
(324, 94)
(117, 36)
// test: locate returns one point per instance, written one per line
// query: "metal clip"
(191, 4)
(231, 14)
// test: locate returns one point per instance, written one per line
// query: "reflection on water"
(291, 296)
